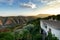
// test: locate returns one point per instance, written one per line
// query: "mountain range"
(19, 19)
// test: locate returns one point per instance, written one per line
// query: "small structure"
(51, 25)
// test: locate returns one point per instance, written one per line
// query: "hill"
(43, 15)
(14, 21)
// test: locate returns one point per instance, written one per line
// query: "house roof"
(53, 24)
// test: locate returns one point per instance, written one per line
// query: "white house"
(50, 25)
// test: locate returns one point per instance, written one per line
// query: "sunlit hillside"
(43, 15)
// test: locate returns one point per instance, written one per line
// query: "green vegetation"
(7, 36)
(57, 17)
(51, 37)
(31, 31)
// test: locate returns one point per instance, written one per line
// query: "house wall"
(54, 31)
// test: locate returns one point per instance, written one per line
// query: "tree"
(22, 34)
(51, 37)
(58, 17)
(7, 36)
(38, 37)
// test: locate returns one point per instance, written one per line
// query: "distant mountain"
(15, 20)
(43, 15)
(19, 19)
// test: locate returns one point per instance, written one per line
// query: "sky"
(29, 7)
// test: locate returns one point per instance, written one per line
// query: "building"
(50, 25)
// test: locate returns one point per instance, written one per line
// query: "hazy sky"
(29, 7)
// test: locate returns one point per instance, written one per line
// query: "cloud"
(51, 8)
(28, 5)
(53, 3)
(50, 2)
(2, 0)
(46, 1)
(10, 2)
